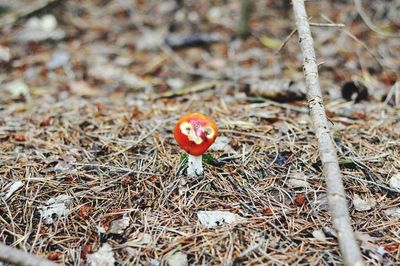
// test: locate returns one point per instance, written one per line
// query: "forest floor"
(90, 92)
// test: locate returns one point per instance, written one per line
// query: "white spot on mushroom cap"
(209, 131)
(188, 130)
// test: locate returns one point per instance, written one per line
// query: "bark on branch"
(19, 257)
(335, 191)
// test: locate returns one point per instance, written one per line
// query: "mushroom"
(195, 133)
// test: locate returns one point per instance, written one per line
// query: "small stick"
(19, 257)
(372, 183)
(336, 25)
(189, 90)
(195, 166)
(286, 40)
(339, 25)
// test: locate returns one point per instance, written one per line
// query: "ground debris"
(282, 90)
(395, 181)
(298, 180)
(40, 29)
(141, 240)
(13, 188)
(361, 204)
(392, 214)
(103, 257)
(319, 235)
(217, 218)
(17, 88)
(59, 59)
(198, 39)
(118, 226)
(222, 143)
(55, 206)
(176, 259)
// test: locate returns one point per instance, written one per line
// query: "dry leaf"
(392, 214)
(81, 88)
(176, 259)
(103, 257)
(55, 206)
(222, 143)
(395, 181)
(297, 180)
(319, 235)
(118, 226)
(17, 88)
(217, 218)
(363, 204)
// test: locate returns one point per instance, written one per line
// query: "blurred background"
(55, 49)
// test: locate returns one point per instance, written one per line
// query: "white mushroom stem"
(195, 167)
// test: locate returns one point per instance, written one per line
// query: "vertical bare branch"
(336, 194)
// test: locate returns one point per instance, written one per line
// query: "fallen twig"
(281, 90)
(365, 159)
(184, 91)
(335, 190)
(338, 25)
(334, 25)
(19, 257)
(372, 183)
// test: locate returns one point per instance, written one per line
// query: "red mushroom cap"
(195, 133)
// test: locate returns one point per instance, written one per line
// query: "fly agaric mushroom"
(195, 133)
